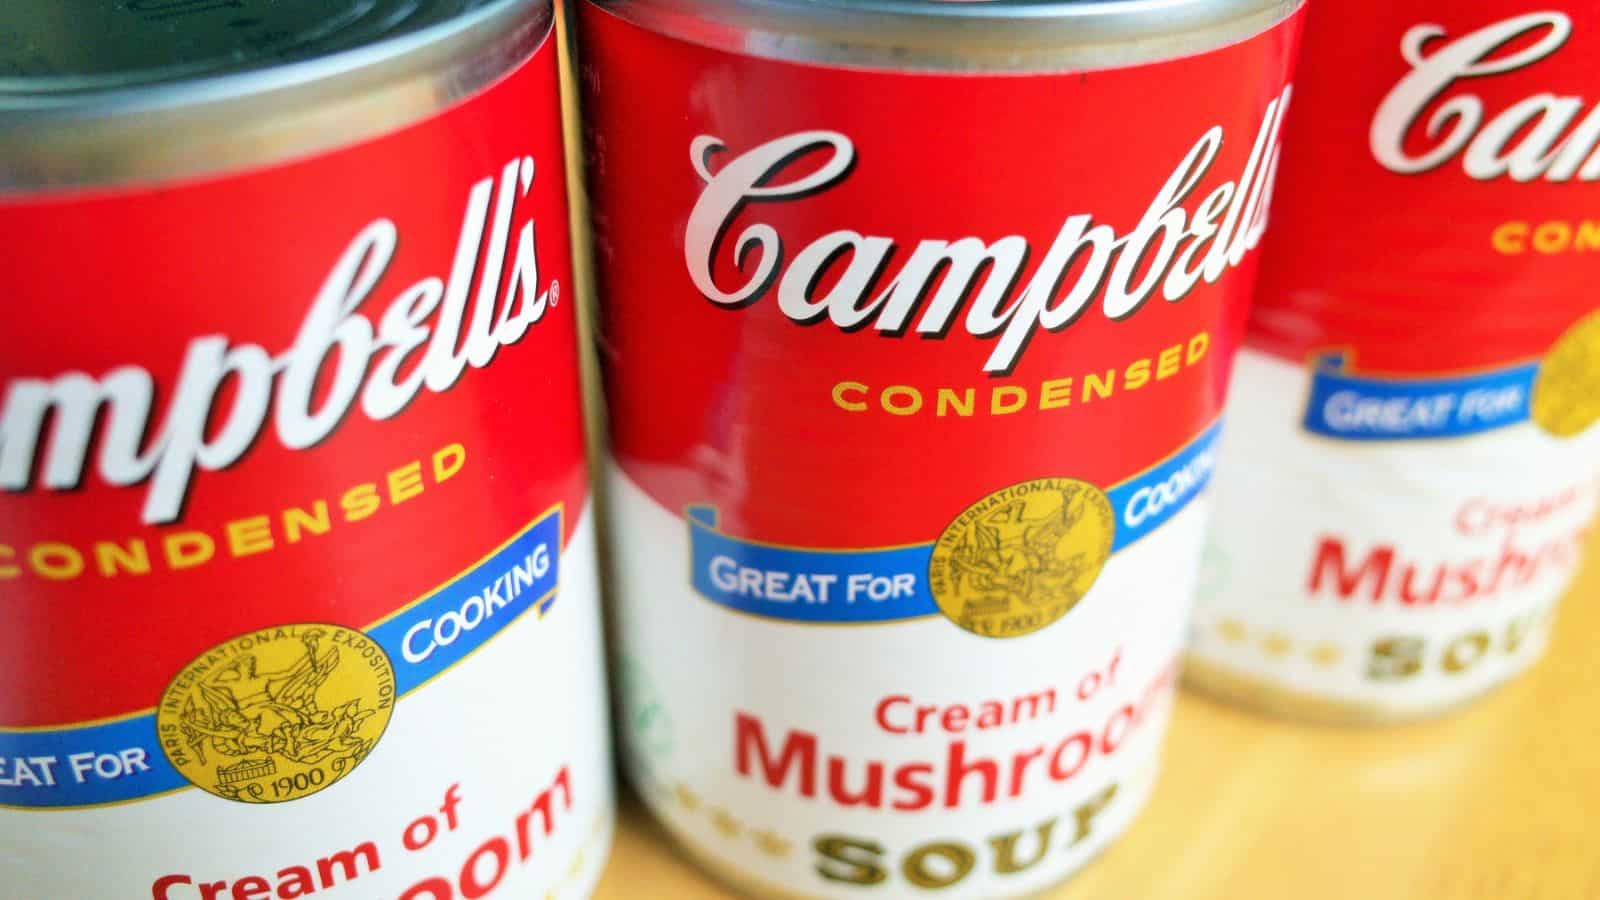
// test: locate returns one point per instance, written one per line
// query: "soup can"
(916, 319)
(1411, 460)
(297, 573)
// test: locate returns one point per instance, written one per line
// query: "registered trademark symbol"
(555, 292)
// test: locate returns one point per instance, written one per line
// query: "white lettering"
(336, 357)
(1170, 249)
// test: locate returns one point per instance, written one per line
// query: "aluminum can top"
(117, 91)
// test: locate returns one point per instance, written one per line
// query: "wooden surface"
(1498, 802)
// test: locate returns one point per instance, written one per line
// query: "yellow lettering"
(909, 407)
(1137, 375)
(360, 502)
(188, 549)
(1588, 236)
(1198, 345)
(998, 406)
(963, 406)
(9, 571)
(135, 559)
(1465, 651)
(1099, 385)
(1167, 362)
(249, 536)
(405, 482)
(56, 562)
(840, 401)
(1510, 238)
(448, 461)
(1552, 237)
(297, 521)
(1055, 393)
(955, 861)
(1085, 814)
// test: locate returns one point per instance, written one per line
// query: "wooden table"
(1498, 802)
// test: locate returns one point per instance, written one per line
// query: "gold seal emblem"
(277, 714)
(1566, 395)
(1021, 557)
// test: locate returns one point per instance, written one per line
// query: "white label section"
(1404, 576)
(478, 746)
(923, 760)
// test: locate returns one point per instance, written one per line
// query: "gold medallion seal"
(1566, 394)
(1021, 557)
(277, 714)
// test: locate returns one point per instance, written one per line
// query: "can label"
(1411, 460)
(282, 450)
(913, 396)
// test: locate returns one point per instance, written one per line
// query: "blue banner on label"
(889, 584)
(1147, 500)
(1369, 408)
(122, 760)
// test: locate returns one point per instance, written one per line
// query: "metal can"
(916, 319)
(1411, 458)
(297, 574)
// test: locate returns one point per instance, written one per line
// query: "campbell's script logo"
(426, 336)
(1177, 244)
(1544, 135)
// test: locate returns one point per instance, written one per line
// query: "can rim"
(161, 133)
(953, 35)
(91, 97)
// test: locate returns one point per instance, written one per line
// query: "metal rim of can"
(1021, 36)
(158, 124)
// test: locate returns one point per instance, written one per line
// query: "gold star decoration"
(1277, 645)
(1326, 655)
(686, 798)
(1232, 630)
(770, 843)
(725, 822)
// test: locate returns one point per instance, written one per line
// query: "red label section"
(309, 393)
(1435, 210)
(842, 305)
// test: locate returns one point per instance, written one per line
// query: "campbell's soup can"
(1411, 456)
(297, 581)
(916, 319)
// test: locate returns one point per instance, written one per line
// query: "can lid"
(96, 92)
(53, 48)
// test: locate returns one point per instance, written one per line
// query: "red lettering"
(542, 806)
(1330, 564)
(1019, 768)
(346, 861)
(158, 891)
(882, 713)
(799, 750)
(472, 887)
(871, 795)
(921, 789)
(1127, 714)
(1086, 741)
(958, 770)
